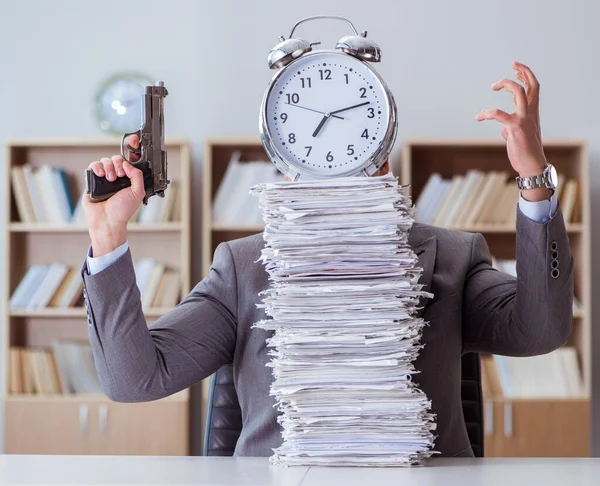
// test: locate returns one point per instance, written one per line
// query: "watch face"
(119, 103)
(328, 114)
(552, 174)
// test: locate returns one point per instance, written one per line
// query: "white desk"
(86, 470)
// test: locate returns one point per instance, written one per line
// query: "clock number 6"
(329, 156)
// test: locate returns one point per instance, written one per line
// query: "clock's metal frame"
(296, 172)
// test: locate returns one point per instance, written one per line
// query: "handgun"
(151, 152)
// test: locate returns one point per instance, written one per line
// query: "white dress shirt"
(539, 211)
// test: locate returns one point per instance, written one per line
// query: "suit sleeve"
(529, 315)
(139, 363)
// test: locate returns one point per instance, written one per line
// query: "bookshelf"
(76, 423)
(218, 153)
(523, 427)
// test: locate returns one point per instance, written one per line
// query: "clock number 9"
(283, 116)
(293, 98)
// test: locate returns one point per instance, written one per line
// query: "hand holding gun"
(151, 157)
(117, 185)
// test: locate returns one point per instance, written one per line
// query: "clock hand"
(318, 129)
(333, 113)
(316, 111)
(350, 107)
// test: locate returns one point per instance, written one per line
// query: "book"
(448, 201)
(569, 197)
(474, 195)
(47, 287)
(480, 200)
(553, 375)
(35, 195)
(490, 202)
(22, 198)
(16, 371)
(76, 367)
(151, 286)
(168, 293)
(464, 193)
(427, 195)
(27, 286)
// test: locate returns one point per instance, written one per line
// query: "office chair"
(224, 417)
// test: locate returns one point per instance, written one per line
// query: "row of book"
(54, 285)
(60, 286)
(233, 204)
(43, 195)
(65, 368)
(480, 198)
(552, 375)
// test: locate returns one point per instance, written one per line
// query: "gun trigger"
(134, 150)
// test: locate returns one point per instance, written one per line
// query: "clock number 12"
(325, 74)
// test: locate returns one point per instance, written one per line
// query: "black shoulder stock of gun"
(152, 154)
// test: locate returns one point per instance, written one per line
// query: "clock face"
(327, 113)
(119, 103)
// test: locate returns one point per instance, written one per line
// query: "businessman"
(475, 307)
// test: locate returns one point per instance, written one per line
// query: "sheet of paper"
(341, 303)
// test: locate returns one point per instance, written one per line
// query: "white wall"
(439, 57)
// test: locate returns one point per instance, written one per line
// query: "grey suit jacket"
(475, 308)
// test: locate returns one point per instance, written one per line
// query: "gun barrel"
(153, 138)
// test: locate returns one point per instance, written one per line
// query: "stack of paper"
(343, 293)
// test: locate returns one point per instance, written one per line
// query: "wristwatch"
(548, 178)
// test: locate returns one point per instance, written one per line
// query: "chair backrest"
(224, 416)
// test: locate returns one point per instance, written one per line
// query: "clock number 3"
(371, 113)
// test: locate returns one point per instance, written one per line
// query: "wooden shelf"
(76, 228)
(74, 312)
(34, 421)
(496, 399)
(536, 424)
(506, 229)
(180, 396)
(249, 228)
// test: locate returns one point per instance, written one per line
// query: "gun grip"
(100, 188)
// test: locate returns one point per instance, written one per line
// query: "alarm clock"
(118, 107)
(327, 112)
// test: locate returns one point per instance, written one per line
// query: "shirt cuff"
(539, 211)
(96, 265)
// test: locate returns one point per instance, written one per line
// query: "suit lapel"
(425, 249)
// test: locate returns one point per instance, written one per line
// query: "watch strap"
(540, 180)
